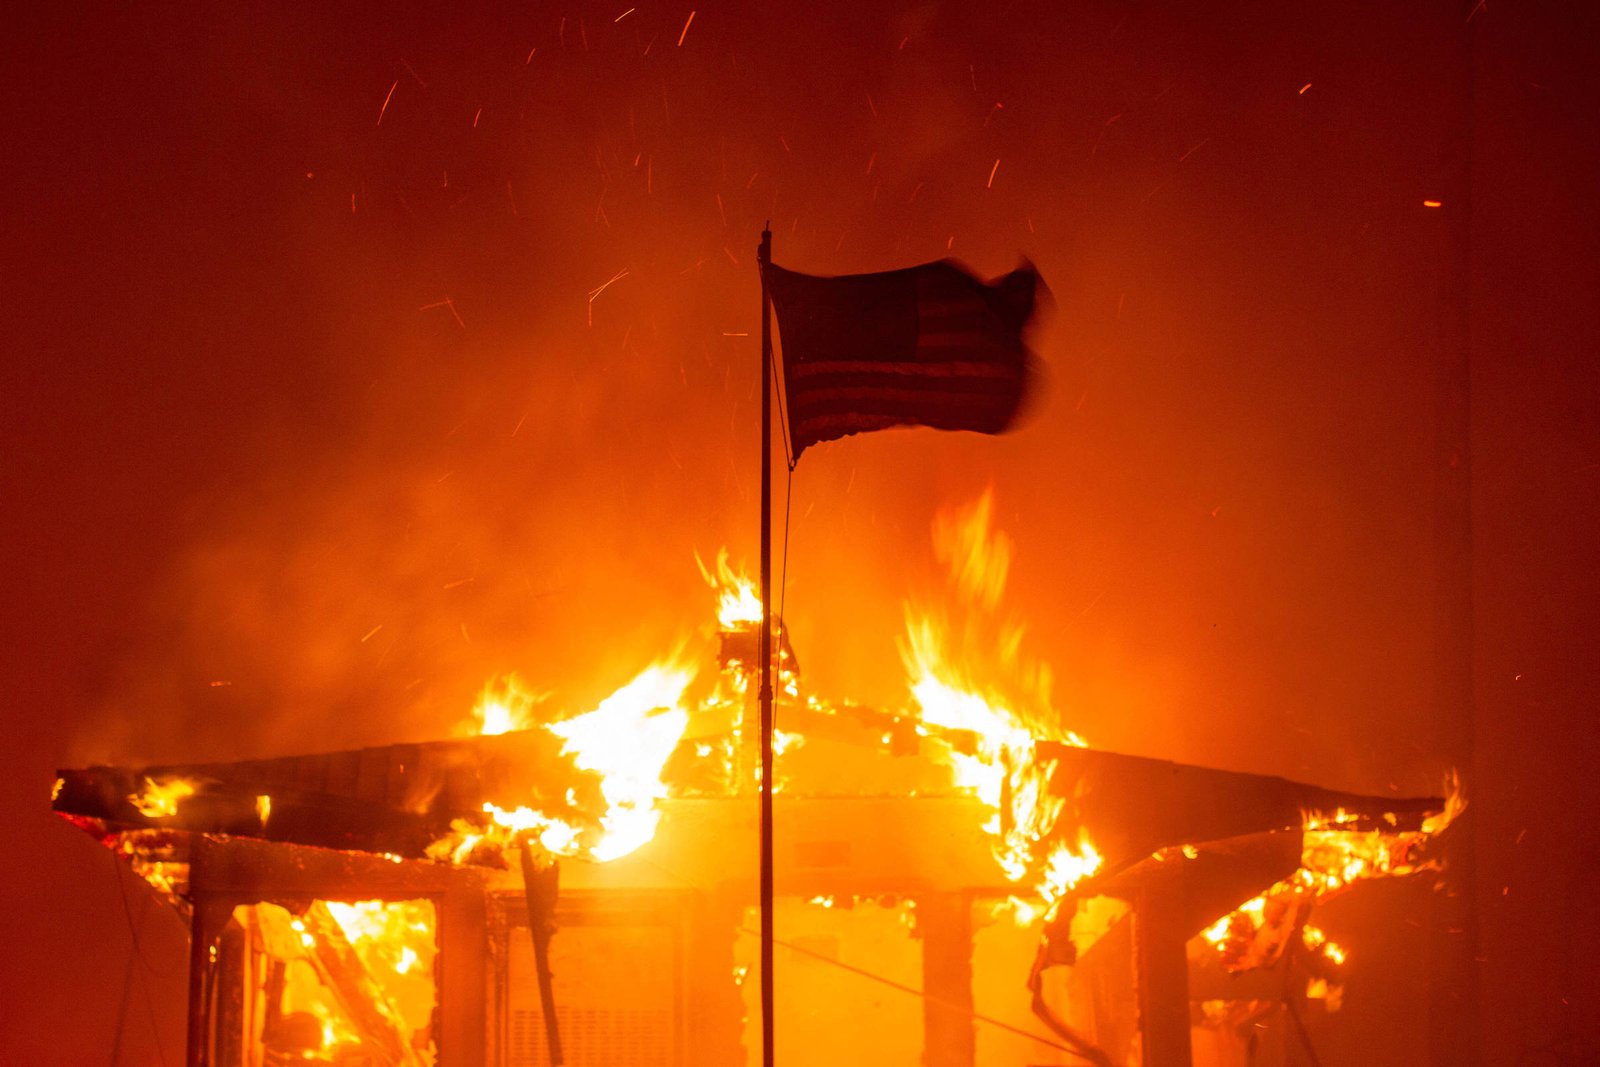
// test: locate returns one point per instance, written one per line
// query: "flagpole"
(764, 655)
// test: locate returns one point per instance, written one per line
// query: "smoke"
(492, 363)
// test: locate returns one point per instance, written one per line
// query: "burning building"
(960, 882)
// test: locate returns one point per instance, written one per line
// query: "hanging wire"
(789, 457)
(919, 993)
(135, 951)
(783, 571)
(674, 873)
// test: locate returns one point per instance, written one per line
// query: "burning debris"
(1076, 845)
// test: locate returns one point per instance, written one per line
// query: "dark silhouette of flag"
(924, 346)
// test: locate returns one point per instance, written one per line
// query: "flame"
(1067, 867)
(627, 740)
(1455, 802)
(393, 936)
(395, 944)
(738, 603)
(990, 737)
(1334, 855)
(159, 799)
(1317, 941)
(505, 706)
(977, 556)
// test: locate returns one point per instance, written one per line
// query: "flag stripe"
(944, 369)
(965, 339)
(909, 405)
(863, 390)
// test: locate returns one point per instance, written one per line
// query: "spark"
(594, 294)
(625, 14)
(685, 32)
(1304, 87)
(992, 171)
(386, 99)
(371, 633)
(1433, 203)
(447, 302)
(476, 117)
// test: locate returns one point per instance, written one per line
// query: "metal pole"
(764, 655)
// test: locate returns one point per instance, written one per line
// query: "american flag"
(931, 345)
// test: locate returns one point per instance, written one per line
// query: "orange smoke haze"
(358, 357)
(504, 352)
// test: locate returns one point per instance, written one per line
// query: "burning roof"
(400, 799)
(976, 787)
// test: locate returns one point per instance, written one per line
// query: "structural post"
(202, 935)
(1162, 968)
(945, 922)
